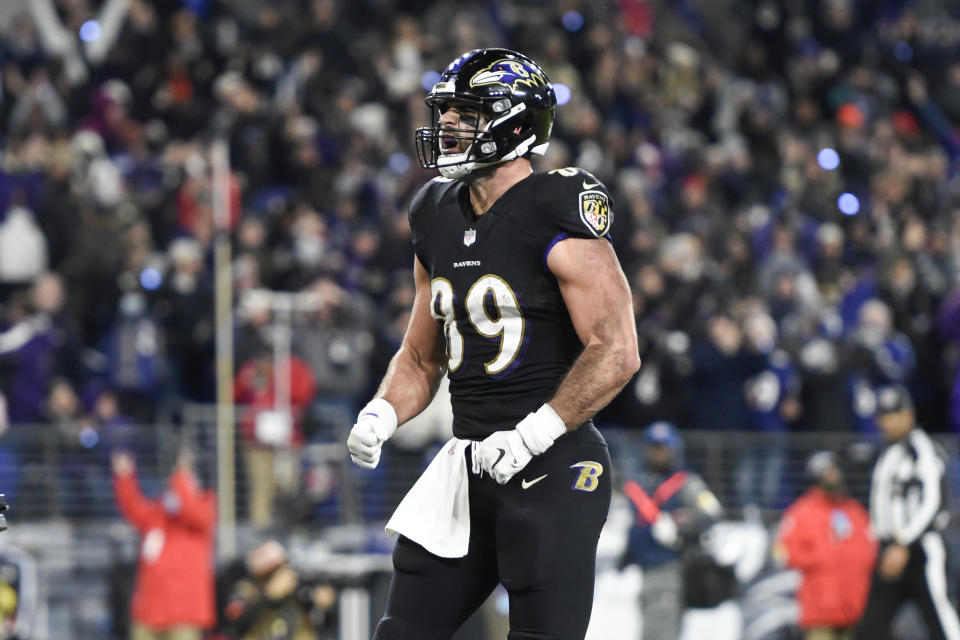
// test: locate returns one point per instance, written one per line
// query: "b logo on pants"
(588, 478)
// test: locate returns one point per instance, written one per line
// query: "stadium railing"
(63, 516)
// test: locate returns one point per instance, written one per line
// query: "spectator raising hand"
(174, 590)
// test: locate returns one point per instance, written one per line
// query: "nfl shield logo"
(469, 237)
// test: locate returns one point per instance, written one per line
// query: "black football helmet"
(515, 101)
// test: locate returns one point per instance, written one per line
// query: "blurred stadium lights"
(572, 21)
(428, 79)
(399, 163)
(90, 31)
(828, 159)
(903, 51)
(848, 204)
(88, 437)
(150, 279)
(563, 93)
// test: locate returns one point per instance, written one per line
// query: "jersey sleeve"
(137, 509)
(423, 209)
(197, 508)
(418, 214)
(797, 544)
(577, 204)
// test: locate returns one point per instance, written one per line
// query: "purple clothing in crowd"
(950, 328)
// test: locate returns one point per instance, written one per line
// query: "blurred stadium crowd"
(785, 178)
(785, 182)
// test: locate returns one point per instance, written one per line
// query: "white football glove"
(375, 424)
(504, 453)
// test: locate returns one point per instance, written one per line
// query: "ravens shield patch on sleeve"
(595, 212)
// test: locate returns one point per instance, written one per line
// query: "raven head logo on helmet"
(513, 102)
(509, 73)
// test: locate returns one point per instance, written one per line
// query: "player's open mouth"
(448, 143)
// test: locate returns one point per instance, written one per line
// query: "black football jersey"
(509, 337)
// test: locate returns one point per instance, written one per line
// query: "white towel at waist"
(435, 513)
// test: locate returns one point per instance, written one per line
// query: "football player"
(521, 302)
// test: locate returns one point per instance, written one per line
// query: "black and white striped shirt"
(907, 494)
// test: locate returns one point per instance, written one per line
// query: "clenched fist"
(375, 424)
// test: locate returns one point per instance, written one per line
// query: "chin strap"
(459, 167)
(457, 170)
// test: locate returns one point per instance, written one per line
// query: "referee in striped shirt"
(908, 510)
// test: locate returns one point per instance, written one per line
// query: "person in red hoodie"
(826, 536)
(174, 594)
(272, 436)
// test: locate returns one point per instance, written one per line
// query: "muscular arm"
(414, 372)
(598, 300)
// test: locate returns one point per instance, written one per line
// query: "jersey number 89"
(489, 293)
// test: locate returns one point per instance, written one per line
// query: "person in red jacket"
(174, 594)
(272, 437)
(826, 536)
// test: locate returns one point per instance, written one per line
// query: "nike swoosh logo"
(526, 484)
(589, 185)
(503, 452)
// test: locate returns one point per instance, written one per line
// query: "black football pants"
(537, 535)
(924, 581)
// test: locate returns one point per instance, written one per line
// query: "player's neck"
(485, 189)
